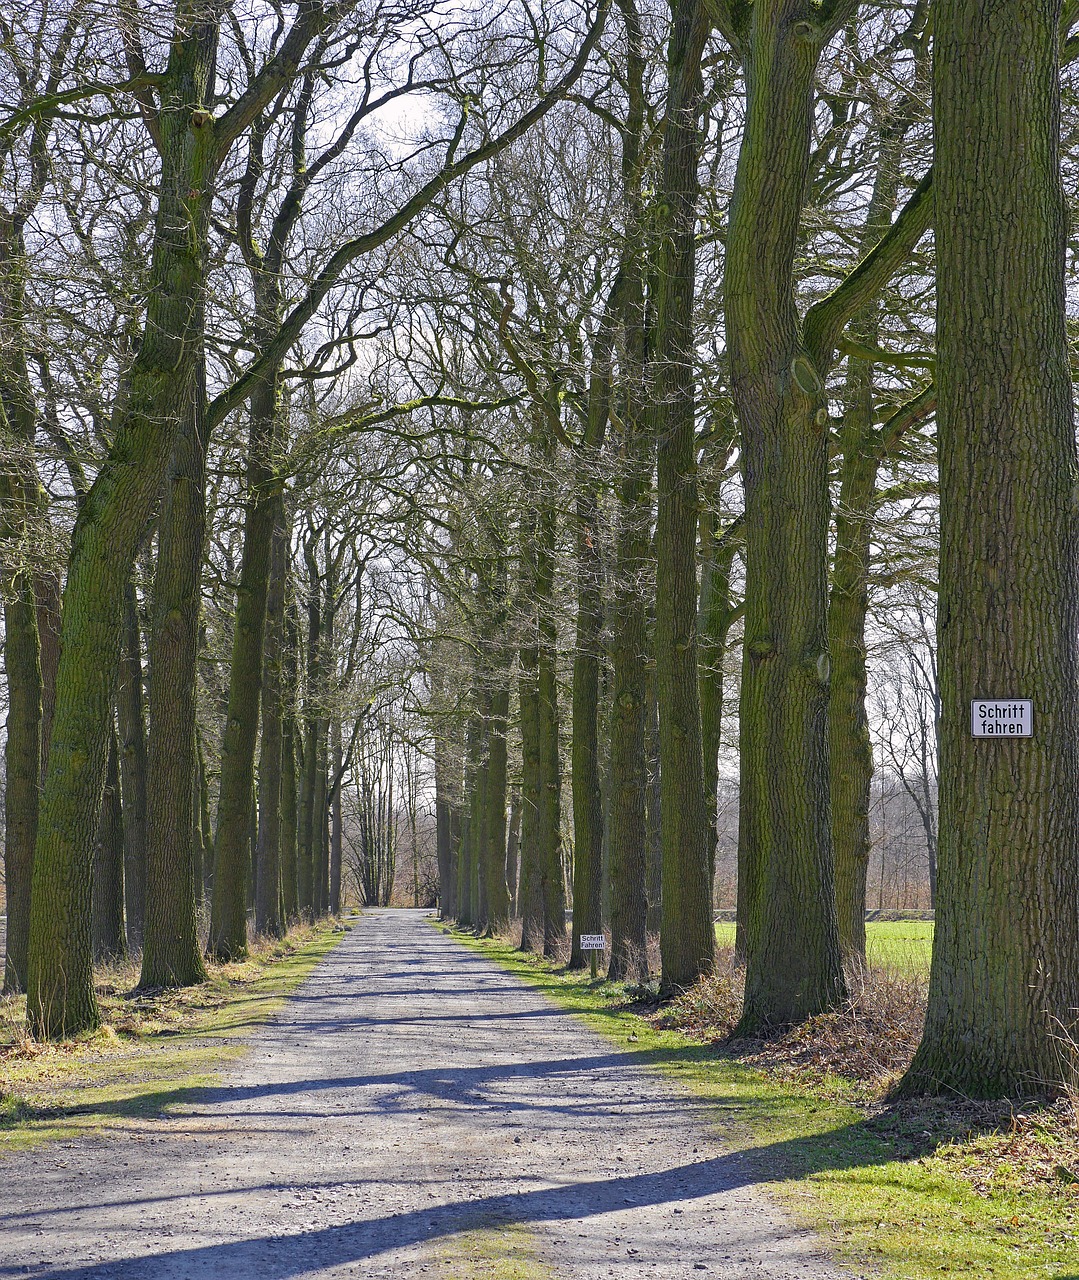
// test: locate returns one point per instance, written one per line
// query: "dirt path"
(409, 1092)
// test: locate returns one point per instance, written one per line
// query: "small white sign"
(1002, 718)
(593, 942)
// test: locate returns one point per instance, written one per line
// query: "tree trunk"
(289, 897)
(793, 963)
(336, 827)
(629, 680)
(107, 532)
(513, 845)
(496, 893)
(1004, 986)
(47, 590)
(444, 802)
(552, 879)
(268, 840)
(861, 450)
(108, 884)
(584, 767)
(653, 838)
(531, 890)
(228, 920)
(23, 765)
(687, 940)
(170, 944)
(133, 768)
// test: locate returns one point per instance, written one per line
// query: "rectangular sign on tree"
(593, 942)
(1002, 718)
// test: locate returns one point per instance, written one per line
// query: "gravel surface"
(409, 1091)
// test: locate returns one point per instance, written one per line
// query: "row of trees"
(556, 392)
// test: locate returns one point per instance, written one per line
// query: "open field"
(903, 946)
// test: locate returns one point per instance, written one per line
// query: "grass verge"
(910, 1191)
(151, 1051)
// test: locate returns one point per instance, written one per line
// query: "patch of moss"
(492, 1253)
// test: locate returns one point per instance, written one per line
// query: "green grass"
(902, 945)
(488, 1253)
(874, 1186)
(148, 1054)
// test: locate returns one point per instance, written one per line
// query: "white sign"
(1002, 718)
(593, 942)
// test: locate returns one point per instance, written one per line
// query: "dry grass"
(128, 1012)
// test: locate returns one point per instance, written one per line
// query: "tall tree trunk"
(629, 687)
(496, 895)
(552, 878)
(714, 622)
(107, 927)
(531, 889)
(228, 920)
(268, 840)
(587, 805)
(107, 531)
(687, 939)
(793, 963)
(513, 846)
(23, 765)
(47, 592)
(444, 803)
(133, 766)
(653, 825)
(861, 447)
(289, 895)
(336, 824)
(587, 659)
(1004, 984)
(170, 944)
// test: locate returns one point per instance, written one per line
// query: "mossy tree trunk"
(1004, 985)
(107, 926)
(170, 944)
(687, 939)
(716, 616)
(793, 966)
(445, 793)
(22, 665)
(496, 905)
(268, 871)
(133, 766)
(107, 531)
(584, 750)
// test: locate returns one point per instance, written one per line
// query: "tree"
(687, 939)
(1004, 985)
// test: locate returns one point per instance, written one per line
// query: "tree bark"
(793, 963)
(687, 939)
(444, 803)
(107, 531)
(228, 919)
(107, 927)
(22, 762)
(170, 944)
(268, 841)
(1004, 986)
(133, 768)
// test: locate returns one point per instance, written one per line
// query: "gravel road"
(410, 1091)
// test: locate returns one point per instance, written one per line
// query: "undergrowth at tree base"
(915, 1188)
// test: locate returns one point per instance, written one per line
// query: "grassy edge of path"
(831, 1165)
(151, 1051)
